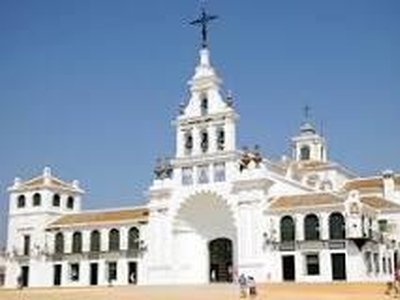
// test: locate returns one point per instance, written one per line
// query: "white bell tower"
(309, 145)
(206, 125)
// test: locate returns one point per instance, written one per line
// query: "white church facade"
(213, 211)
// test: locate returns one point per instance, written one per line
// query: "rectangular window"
(74, 272)
(368, 262)
(202, 174)
(187, 176)
(376, 263)
(312, 264)
(219, 172)
(383, 225)
(27, 244)
(390, 265)
(112, 271)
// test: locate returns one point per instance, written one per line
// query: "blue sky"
(90, 87)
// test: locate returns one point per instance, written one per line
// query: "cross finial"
(203, 21)
(307, 110)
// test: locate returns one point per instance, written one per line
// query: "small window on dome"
(305, 153)
(70, 202)
(21, 201)
(56, 200)
(37, 199)
(204, 105)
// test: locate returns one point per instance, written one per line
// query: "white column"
(196, 141)
(85, 240)
(68, 241)
(230, 135)
(102, 272)
(123, 236)
(324, 226)
(104, 239)
(299, 221)
(122, 273)
(212, 139)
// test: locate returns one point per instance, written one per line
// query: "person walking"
(242, 285)
(393, 286)
(251, 283)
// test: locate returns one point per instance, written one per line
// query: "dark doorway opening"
(221, 258)
(288, 268)
(132, 272)
(24, 276)
(338, 261)
(94, 274)
(57, 274)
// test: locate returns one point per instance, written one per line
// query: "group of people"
(247, 286)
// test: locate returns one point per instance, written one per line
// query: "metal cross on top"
(307, 110)
(203, 21)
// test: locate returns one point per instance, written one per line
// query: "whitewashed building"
(214, 211)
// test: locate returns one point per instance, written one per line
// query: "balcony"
(309, 245)
(96, 255)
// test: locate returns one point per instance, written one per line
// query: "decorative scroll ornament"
(163, 169)
(249, 156)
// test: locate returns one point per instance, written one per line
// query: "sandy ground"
(336, 291)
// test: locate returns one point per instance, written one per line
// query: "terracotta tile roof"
(305, 200)
(379, 202)
(111, 216)
(367, 182)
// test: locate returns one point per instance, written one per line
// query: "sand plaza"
(284, 291)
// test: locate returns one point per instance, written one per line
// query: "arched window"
(204, 141)
(188, 142)
(113, 240)
(204, 106)
(21, 201)
(95, 241)
(133, 239)
(77, 242)
(70, 202)
(305, 153)
(37, 199)
(56, 200)
(311, 227)
(337, 226)
(59, 243)
(220, 139)
(287, 228)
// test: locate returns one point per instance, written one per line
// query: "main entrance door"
(57, 274)
(94, 269)
(25, 276)
(220, 255)
(288, 268)
(338, 266)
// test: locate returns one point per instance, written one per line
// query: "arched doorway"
(204, 234)
(221, 260)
